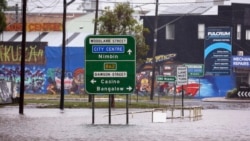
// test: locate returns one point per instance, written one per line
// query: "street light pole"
(154, 50)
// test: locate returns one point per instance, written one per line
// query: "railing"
(194, 113)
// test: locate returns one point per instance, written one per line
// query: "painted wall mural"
(74, 71)
(43, 68)
(7, 91)
(10, 53)
(34, 77)
(199, 87)
(43, 72)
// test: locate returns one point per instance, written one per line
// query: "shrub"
(232, 93)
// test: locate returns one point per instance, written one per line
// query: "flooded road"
(76, 125)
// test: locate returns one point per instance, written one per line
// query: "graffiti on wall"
(10, 53)
(73, 81)
(7, 91)
(34, 77)
(46, 78)
(38, 81)
(161, 58)
(143, 84)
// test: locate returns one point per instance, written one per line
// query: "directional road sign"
(195, 70)
(182, 76)
(165, 78)
(110, 64)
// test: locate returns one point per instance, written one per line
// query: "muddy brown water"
(76, 125)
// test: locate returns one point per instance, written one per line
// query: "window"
(201, 31)
(248, 34)
(170, 32)
(238, 32)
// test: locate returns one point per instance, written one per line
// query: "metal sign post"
(182, 79)
(162, 78)
(110, 65)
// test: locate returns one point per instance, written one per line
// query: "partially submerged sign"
(165, 78)
(110, 64)
(195, 70)
(182, 78)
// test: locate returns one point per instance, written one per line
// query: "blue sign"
(241, 61)
(218, 50)
(108, 49)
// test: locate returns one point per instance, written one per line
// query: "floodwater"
(76, 125)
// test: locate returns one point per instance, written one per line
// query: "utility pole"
(91, 97)
(17, 17)
(63, 54)
(65, 4)
(96, 15)
(155, 41)
(22, 79)
(154, 50)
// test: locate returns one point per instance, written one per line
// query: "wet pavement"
(221, 121)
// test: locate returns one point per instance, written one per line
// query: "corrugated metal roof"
(49, 6)
(82, 24)
(73, 39)
(76, 31)
(198, 8)
(7, 36)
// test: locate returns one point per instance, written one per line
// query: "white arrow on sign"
(242, 94)
(129, 51)
(93, 81)
(245, 94)
(129, 88)
(239, 94)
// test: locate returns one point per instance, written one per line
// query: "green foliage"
(3, 6)
(43, 103)
(232, 93)
(81, 101)
(67, 104)
(120, 21)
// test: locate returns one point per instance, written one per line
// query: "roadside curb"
(223, 99)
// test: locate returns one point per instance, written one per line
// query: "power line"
(160, 3)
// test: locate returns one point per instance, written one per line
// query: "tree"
(3, 6)
(120, 21)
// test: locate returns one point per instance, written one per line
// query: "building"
(184, 34)
(184, 20)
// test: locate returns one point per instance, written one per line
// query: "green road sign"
(165, 78)
(195, 70)
(110, 64)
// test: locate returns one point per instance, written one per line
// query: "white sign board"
(159, 116)
(182, 77)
